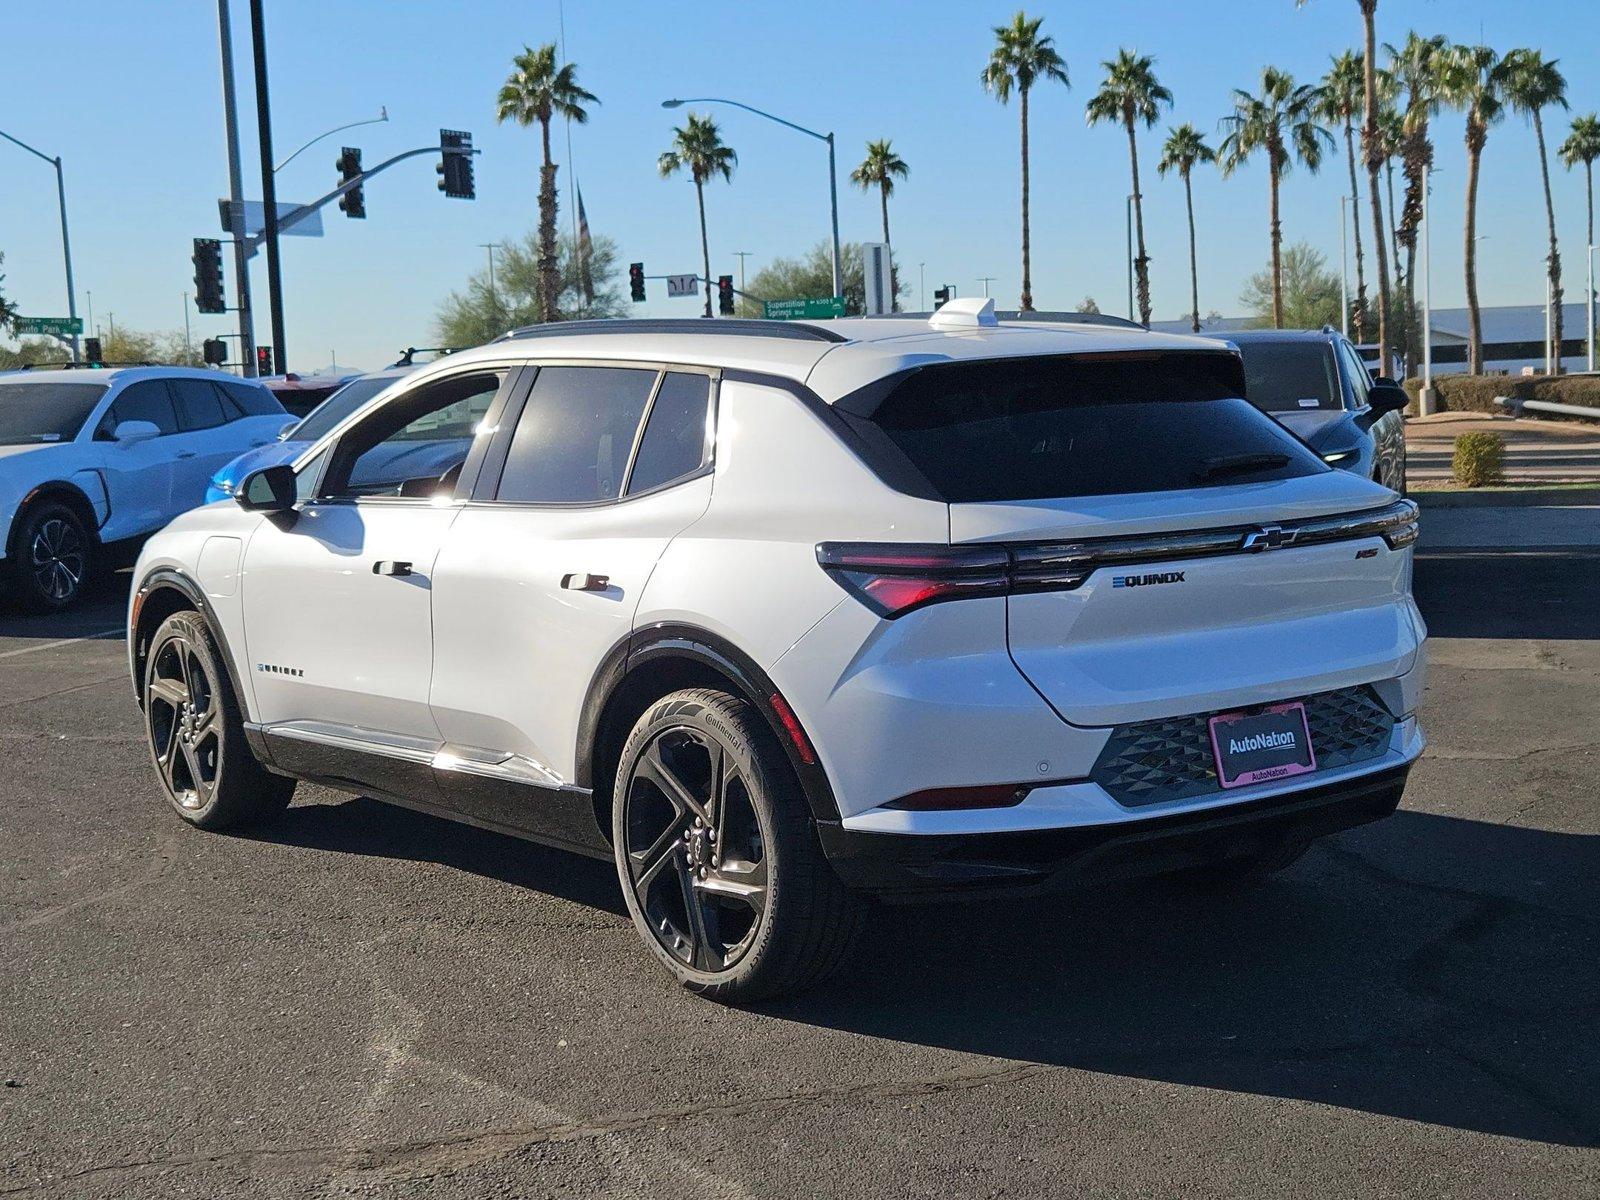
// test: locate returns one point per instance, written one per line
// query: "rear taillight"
(892, 579)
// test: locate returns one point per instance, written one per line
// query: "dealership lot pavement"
(369, 1002)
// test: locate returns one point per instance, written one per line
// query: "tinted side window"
(145, 401)
(199, 406)
(409, 446)
(251, 401)
(573, 439)
(674, 441)
(1360, 379)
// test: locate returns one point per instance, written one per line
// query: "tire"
(726, 883)
(1244, 871)
(51, 557)
(196, 735)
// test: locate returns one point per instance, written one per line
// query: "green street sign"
(804, 310)
(55, 326)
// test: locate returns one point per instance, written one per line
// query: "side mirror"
(270, 490)
(1387, 396)
(288, 428)
(130, 432)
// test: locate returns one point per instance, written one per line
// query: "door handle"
(184, 454)
(579, 581)
(390, 567)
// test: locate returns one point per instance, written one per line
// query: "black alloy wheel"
(51, 557)
(695, 849)
(186, 731)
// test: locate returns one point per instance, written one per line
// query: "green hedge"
(1479, 459)
(1476, 393)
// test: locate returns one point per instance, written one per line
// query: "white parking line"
(88, 637)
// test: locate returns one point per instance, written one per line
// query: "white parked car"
(777, 616)
(91, 461)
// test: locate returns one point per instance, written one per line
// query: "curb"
(1535, 497)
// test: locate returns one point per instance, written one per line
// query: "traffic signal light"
(352, 203)
(940, 295)
(91, 351)
(208, 296)
(263, 360)
(214, 352)
(455, 167)
(725, 295)
(636, 281)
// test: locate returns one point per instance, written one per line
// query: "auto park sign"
(61, 327)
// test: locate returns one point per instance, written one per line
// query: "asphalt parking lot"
(369, 1002)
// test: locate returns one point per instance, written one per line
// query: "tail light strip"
(894, 578)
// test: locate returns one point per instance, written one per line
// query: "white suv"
(781, 616)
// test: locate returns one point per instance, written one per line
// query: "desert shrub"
(1479, 459)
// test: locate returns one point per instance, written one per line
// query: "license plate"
(1273, 743)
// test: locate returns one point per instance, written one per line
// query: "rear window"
(1037, 428)
(44, 411)
(1290, 376)
(252, 400)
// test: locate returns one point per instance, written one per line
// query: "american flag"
(585, 250)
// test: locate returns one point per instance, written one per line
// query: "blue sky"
(128, 94)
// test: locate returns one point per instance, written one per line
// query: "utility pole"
(269, 188)
(188, 346)
(241, 254)
(741, 255)
(986, 280)
(922, 287)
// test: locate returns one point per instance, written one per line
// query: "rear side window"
(148, 400)
(251, 401)
(674, 441)
(572, 442)
(1087, 425)
(199, 405)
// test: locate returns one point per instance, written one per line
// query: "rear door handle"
(184, 454)
(390, 567)
(580, 581)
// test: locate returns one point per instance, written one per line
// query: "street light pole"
(1427, 295)
(489, 247)
(922, 287)
(269, 187)
(1590, 260)
(1344, 272)
(241, 253)
(66, 242)
(833, 175)
(1130, 257)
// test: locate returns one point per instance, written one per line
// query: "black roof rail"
(792, 331)
(408, 355)
(102, 364)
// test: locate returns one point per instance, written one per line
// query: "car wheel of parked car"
(50, 557)
(719, 865)
(196, 735)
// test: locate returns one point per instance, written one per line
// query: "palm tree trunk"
(548, 284)
(1141, 262)
(1360, 315)
(1555, 249)
(705, 243)
(1277, 247)
(894, 274)
(1026, 304)
(1374, 155)
(1194, 275)
(1404, 317)
(1474, 324)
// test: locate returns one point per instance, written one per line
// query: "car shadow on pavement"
(1429, 968)
(1517, 594)
(363, 826)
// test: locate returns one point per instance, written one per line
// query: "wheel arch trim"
(173, 579)
(690, 643)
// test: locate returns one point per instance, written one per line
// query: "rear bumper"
(913, 866)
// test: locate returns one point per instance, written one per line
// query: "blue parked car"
(298, 436)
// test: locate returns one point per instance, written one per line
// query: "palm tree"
(1340, 101)
(1281, 121)
(880, 168)
(1473, 78)
(1130, 94)
(537, 90)
(1583, 146)
(697, 147)
(1021, 58)
(1533, 84)
(1414, 69)
(1184, 148)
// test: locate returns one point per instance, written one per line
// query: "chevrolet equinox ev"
(784, 617)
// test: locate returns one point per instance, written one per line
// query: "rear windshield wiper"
(1239, 464)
